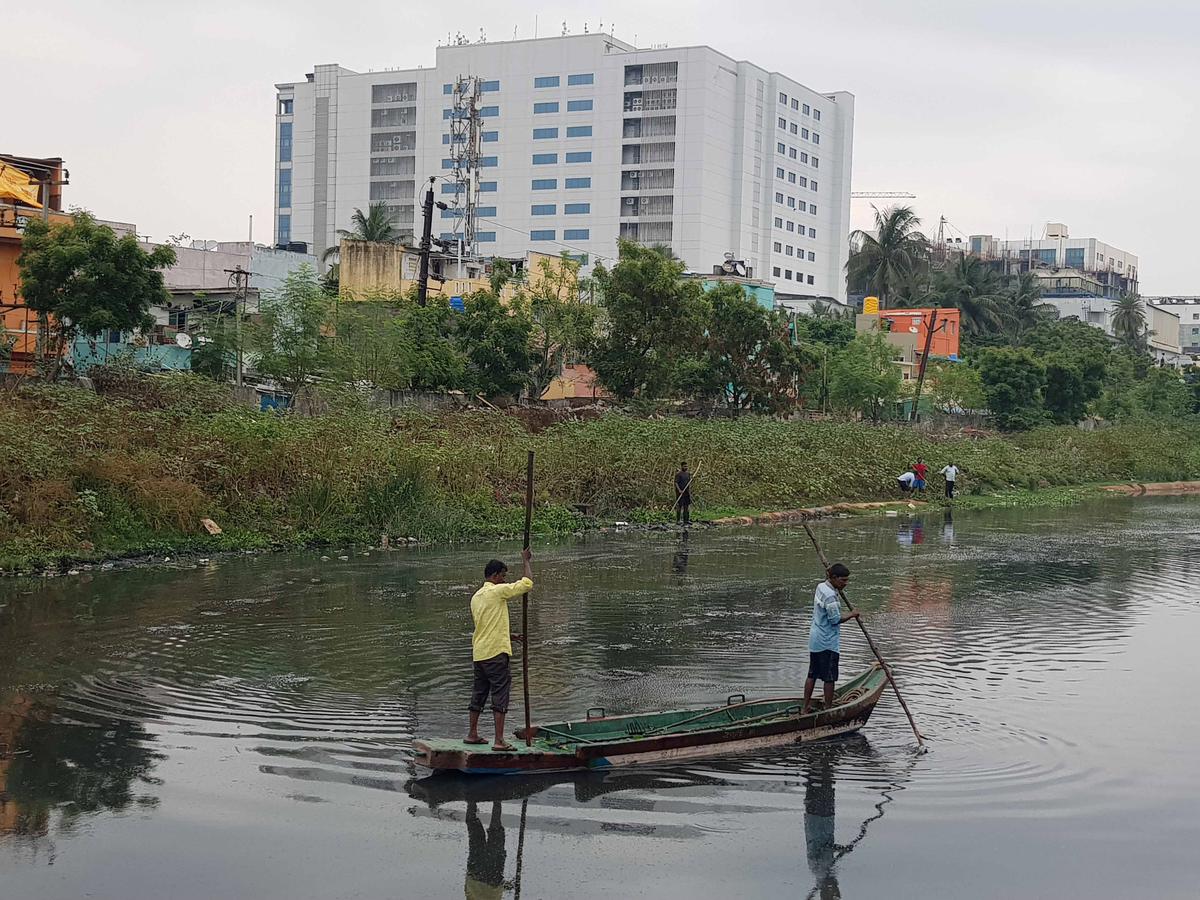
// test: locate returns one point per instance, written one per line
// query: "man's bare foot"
(473, 739)
(503, 745)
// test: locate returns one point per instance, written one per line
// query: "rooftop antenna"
(564, 27)
(482, 36)
(585, 30)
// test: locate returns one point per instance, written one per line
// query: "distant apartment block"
(1066, 266)
(1188, 311)
(585, 139)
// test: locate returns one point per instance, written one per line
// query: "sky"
(999, 116)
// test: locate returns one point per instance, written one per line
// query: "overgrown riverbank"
(89, 477)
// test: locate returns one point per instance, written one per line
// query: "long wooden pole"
(886, 669)
(525, 602)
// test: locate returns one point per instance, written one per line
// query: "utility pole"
(924, 359)
(426, 245)
(239, 278)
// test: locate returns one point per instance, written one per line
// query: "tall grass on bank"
(83, 476)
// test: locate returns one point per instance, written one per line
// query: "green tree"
(655, 321)
(864, 377)
(834, 333)
(495, 342)
(955, 385)
(377, 224)
(291, 339)
(1163, 394)
(976, 291)
(1129, 321)
(1012, 386)
(1026, 310)
(81, 279)
(373, 345)
(1073, 380)
(502, 273)
(215, 353)
(890, 256)
(437, 362)
(563, 327)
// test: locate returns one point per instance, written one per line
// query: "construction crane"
(882, 195)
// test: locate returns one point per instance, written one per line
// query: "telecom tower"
(465, 141)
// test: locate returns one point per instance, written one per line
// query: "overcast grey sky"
(999, 116)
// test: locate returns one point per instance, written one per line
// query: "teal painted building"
(762, 292)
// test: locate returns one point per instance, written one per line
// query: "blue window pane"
(487, 212)
(579, 131)
(452, 114)
(487, 187)
(490, 137)
(489, 162)
(579, 182)
(576, 209)
(285, 141)
(545, 81)
(542, 209)
(488, 111)
(545, 184)
(580, 156)
(545, 234)
(447, 164)
(579, 105)
(546, 159)
(285, 188)
(589, 78)
(541, 134)
(576, 234)
(447, 89)
(487, 86)
(1074, 257)
(451, 213)
(285, 229)
(485, 237)
(452, 188)
(548, 107)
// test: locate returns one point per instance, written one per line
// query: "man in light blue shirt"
(824, 641)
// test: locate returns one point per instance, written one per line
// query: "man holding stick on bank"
(824, 640)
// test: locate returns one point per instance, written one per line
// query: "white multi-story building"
(1114, 271)
(1188, 310)
(585, 139)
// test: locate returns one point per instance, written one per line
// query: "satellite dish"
(184, 340)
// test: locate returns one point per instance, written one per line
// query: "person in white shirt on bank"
(950, 471)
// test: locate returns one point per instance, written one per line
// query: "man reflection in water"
(485, 854)
(818, 828)
(679, 562)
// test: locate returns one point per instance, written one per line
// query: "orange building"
(19, 325)
(916, 322)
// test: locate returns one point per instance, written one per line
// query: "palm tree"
(1025, 309)
(890, 256)
(1129, 321)
(378, 224)
(976, 290)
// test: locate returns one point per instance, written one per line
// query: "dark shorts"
(823, 666)
(919, 484)
(492, 676)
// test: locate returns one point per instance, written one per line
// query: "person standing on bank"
(951, 474)
(922, 472)
(491, 646)
(683, 495)
(824, 640)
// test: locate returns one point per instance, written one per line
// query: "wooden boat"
(603, 742)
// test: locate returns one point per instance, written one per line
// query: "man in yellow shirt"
(492, 645)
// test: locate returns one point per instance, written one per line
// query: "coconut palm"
(977, 292)
(889, 256)
(1129, 321)
(1025, 309)
(378, 224)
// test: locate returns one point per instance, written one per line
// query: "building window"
(285, 106)
(579, 105)
(778, 197)
(807, 109)
(787, 273)
(587, 78)
(490, 137)
(803, 157)
(545, 81)
(778, 247)
(541, 134)
(812, 208)
(548, 107)
(486, 212)
(778, 172)
(812, 257)
(485, 237)
(447, 89)
(545, 159)
(489, 111)
(792, 202)
(285, 141)
(817, 114)
(576, 209)
(489, 162)
(780, 148)
(489, 86)
(285, 188)
(580, 156)
(544, 234)
(795, 103)
(778, 222)
(816, 163)
(542, 209)
(803, 181)
(812, 232)
(573, 183)
(579, 131)
(791, 251)
(813, 185)
(803, 206)
(782, 122)
(804, 133)
(1074, 257)
(775, 271)
(487, 187)
(795, 129)
(816, 138)
(783, 98)
(545, 184)
(284, 229)
(791, 226)
(810, 279)
(577, 234)
(792, 152)
(791, 177)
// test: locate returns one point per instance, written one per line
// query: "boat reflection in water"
(720, 782)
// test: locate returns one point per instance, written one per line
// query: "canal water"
(244, 729)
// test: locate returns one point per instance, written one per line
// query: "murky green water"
(244, 730)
